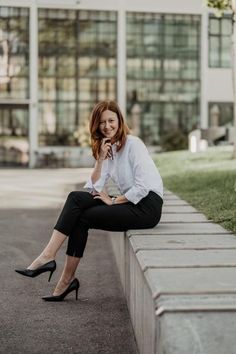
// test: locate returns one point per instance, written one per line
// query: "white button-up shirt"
(133, 171)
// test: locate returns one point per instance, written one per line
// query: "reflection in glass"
(163, 73)
(77, 67)
(14, 53)
(14, 146)
(226, 113)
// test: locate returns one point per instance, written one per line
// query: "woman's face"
(109, 124)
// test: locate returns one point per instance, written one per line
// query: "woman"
(125, 159)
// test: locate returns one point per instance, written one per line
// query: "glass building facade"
(78, 65)
(163, 73)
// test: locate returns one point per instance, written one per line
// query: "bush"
(174, 140)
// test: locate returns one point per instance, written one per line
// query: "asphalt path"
(99, 321)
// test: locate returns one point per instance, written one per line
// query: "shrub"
(174, 140)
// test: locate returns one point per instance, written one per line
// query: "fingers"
(106, 148)
(97, 197)
(106, 142)
(101, 195)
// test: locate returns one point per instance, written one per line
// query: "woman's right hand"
(105, 149)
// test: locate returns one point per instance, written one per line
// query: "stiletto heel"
(74, 285)
(32, 273)
(50, 275)
(76, 294)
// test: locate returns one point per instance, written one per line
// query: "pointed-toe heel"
(74, 285)
(32, 273)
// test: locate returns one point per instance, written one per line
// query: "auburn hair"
(96, 135)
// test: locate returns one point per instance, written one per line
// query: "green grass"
(206, 180)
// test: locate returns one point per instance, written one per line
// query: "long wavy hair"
(97, 136)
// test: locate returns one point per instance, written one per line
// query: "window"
(14, 52)
(163, 73)
(77, 68)
(220, 32)
(221, 113)
(14, 146)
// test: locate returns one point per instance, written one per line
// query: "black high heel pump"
(74, 285)
(47, 267)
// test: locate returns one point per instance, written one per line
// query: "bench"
(179, 280)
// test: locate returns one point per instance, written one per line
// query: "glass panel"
(214, 26)
(214, 52)
(172, 68)
(66, 66)
(66, 89)
(14, 146)
(226, 26)
(87, 90)
(47, 88)
(226, 51)
(14, 53)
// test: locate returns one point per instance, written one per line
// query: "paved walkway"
(99, 321)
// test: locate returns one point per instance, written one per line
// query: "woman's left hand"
(104, 197)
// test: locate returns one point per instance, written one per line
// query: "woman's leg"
(118, 217)
(68, 274)
(74, 206)
(50, 251)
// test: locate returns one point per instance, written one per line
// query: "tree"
(220, 6)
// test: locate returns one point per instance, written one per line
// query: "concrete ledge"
(179, 282)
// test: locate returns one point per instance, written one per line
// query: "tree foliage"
(219, 4)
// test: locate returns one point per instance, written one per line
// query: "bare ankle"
(67, 279)
(48, 256)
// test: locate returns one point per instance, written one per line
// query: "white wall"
(219, 85)
(171, 6)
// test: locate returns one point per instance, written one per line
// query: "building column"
(33, 79)
(121, 58)
(204, 69)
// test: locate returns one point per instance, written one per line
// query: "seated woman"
(126, 160)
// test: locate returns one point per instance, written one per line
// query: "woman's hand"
(105, 149)
(104, 197)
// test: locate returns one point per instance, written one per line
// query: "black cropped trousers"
(82, 212)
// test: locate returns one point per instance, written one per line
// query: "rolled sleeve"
(100, 183)
(138, 155)
(135, 194)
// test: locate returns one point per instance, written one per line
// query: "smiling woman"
(109, 124)
(126, 160)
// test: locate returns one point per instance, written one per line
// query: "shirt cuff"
(135, 195)
(94, 187)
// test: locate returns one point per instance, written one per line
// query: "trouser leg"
(75, 205)
(122, 217)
